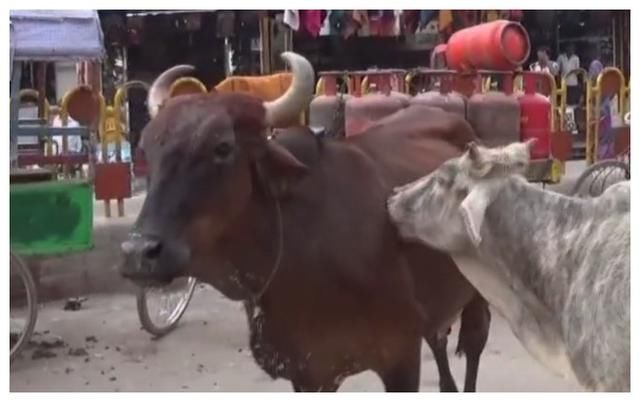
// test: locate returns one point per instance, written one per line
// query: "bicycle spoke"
(164, 304)
(22, 315)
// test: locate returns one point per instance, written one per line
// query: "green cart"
(51, 209)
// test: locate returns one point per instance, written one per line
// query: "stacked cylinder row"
(485, 99)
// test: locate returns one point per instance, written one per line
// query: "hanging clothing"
(410, 21)
(388, 23)
(445, 20)
(426, 16)
(359, 16)
(364, 27)
(325, 30)
(382, 23)
(337, 21)
(292, 19)
(355, 20)
(312, 20)
(375, 22)
(397, 18)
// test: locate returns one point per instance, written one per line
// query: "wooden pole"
(265, 45)
(41, 77)
(118, 160)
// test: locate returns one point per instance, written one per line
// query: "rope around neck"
(276, 266)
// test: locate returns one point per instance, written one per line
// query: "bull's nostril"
(152, 249)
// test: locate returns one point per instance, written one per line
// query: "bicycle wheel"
(598, 177)
(160, 308)
(18, 340)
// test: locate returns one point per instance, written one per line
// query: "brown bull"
(297, 227)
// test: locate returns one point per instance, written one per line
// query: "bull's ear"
(473, 209)
(283, 160)
(282, 167)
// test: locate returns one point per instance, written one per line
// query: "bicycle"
(17, 341)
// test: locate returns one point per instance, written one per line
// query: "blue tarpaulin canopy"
(51, 35)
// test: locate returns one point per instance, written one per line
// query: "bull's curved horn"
(298, 95)
(159, 91)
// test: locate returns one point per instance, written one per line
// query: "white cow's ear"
(474, 162)
(473, 209)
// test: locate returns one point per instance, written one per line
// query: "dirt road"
(208, 352)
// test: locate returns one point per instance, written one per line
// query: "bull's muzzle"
(150, 260)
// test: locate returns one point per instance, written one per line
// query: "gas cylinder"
(495, 117)
(438, 58)
(327, 107)
(499, 45)
(361, 112)
(443, 98)
(535, 118)
(364, 111)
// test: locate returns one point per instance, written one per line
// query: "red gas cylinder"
(443, 98)
(363, 111)
(535, 118)
(495, 117)
(499, 45)
(325, 108)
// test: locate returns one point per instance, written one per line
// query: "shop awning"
(51, 35)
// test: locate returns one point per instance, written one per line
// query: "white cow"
(556, 267)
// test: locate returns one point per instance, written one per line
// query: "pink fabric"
(312, 21)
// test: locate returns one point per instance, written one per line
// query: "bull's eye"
(223, 150)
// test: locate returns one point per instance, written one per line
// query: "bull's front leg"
(307, 386)
(310, 381)
(404, 374)
(438, 344)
